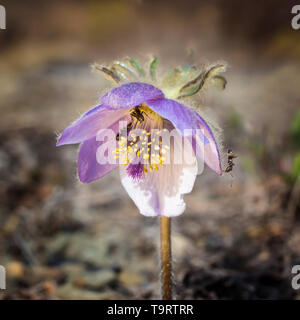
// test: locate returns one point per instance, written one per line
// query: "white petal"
(161, 192)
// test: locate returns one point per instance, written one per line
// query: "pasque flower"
(156, 185)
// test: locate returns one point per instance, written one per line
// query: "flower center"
(140, 144)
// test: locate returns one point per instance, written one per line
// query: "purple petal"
(130, 95)
(89, 168)
(88, 125)
(183, 118)
(99, 107)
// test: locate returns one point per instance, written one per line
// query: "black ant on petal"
(138, 115)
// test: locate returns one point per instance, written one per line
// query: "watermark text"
(2, 278)
(2, 17)
(296, 19)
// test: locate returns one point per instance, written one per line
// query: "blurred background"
(239, 236)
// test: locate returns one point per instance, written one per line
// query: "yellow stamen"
(140, 145)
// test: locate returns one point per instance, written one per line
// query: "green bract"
(178, 83)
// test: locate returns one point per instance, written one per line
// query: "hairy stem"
(166, 258)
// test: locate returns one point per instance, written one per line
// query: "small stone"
(70, 292)
(87, 249)
(14, 269)
(57, 245)
(130, 278)
(181, 245)
(98, 279)
(72, 271)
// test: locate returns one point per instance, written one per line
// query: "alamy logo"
(2, 18)
(2, 278)
(296, 278)
(296, 19)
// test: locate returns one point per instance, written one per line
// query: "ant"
(138, 114)
(135, 113)
(230, 164)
